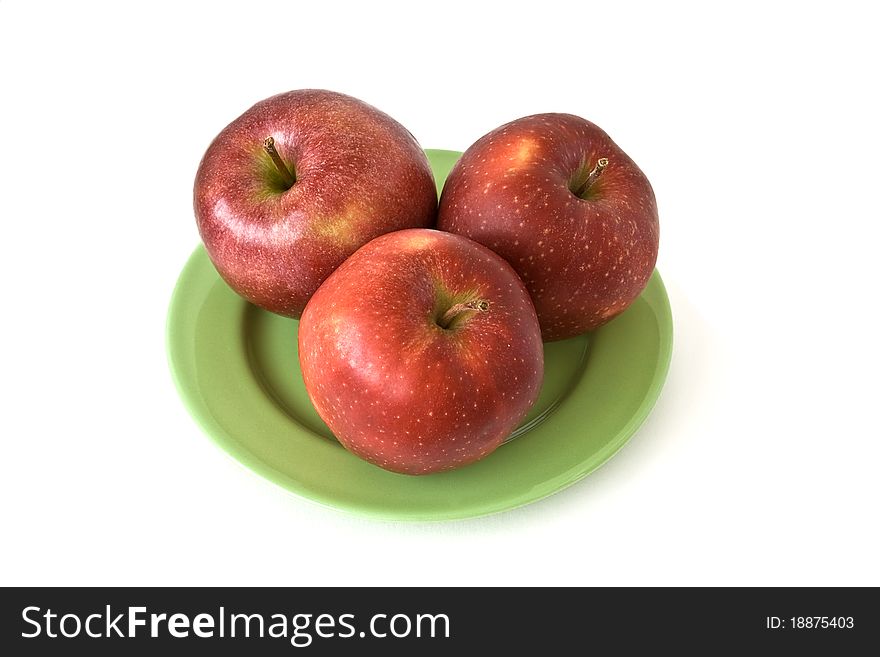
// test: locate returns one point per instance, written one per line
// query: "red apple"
(422, 352)
(295, 185)
(564, 205)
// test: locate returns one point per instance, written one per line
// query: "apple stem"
(480, 305)
(286, 174)
(592, 177)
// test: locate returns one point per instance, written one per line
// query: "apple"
(296, 184)
(422, 352)
(567, 208)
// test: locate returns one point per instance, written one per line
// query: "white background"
(758, 127)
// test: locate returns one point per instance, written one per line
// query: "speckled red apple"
(564, 205)
(298, 183)
(422, 352)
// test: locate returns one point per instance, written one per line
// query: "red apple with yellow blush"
(296, 184)
(567, 208)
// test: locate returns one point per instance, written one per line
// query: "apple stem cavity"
(285, 173)
(461, 309)
(592, 177)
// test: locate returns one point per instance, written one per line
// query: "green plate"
(237, 369)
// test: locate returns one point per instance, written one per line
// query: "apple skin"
(583, 260)
(359, 174)
(395, 387)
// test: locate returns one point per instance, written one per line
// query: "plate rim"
(234, 448)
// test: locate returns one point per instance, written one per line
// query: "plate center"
(271, 346)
